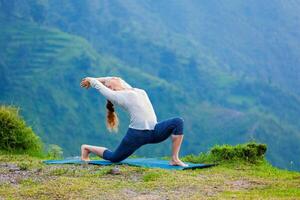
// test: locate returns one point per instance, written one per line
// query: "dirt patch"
(14, 174)
(131, 194)
(11, 173)
(147, 196)
(244, 184)
(240, 184)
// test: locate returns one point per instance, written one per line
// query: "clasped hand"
(85, 83)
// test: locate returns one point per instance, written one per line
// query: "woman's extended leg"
(87, 149)
(129, 144)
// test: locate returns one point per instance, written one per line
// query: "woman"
(143, 128)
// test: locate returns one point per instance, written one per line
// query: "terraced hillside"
(45, 80)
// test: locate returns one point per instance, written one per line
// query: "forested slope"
(193, 66)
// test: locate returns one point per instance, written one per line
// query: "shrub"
(55, 151)
(249, 152)
(15, 135)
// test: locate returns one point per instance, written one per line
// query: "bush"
(55, 151)
(249, 152)
(15, 135)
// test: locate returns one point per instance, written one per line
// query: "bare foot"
(86, 159)
(178, 163)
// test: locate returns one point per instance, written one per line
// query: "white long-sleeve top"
(135, 101)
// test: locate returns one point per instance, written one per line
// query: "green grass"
(227, 180)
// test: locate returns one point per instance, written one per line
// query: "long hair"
(112, 120)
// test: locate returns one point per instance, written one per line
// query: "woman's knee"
(84, 147)
(115, 158)
(179, 122)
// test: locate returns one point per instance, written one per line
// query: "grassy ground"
(24, 177)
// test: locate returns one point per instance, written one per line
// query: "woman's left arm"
(104, 79)
(107, 78)
(114, 96)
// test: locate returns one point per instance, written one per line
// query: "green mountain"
(228, 69)
(47, 83)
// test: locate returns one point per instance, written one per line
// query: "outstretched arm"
(104, 79)
(123, 82)
(114, 96)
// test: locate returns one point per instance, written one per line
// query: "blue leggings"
(135, 138)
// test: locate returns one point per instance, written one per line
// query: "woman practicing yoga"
(143, 128)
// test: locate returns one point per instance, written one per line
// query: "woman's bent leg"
(174, 127)
(87, 149)
(165, 128)
(176, 144)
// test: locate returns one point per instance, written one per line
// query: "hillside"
(239, 171)
(229, 96)
(24, 177)
(48, 71)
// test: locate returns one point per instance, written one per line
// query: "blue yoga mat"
(140, 162)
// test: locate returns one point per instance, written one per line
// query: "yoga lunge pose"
(143, 128)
